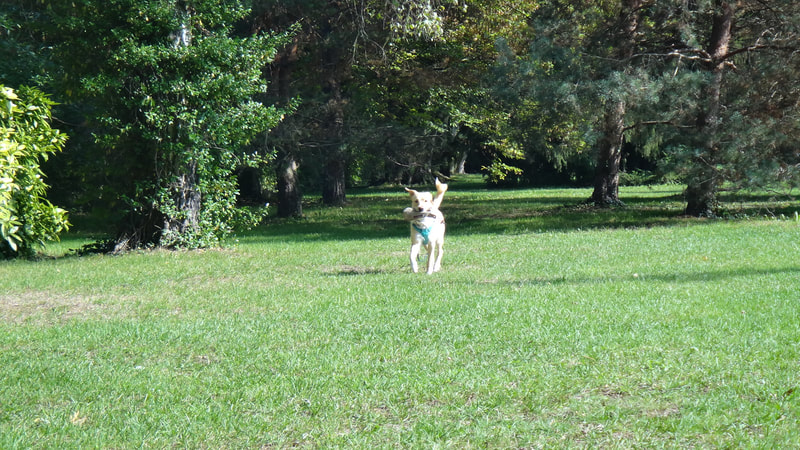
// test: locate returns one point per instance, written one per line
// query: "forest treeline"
(183, 117)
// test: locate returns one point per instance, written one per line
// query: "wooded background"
(185, 116)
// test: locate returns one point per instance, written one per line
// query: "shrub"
(27, 219)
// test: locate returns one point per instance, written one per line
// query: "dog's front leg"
(414, 255)
(431, 257)
(439, 252)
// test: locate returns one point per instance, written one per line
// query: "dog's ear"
(411, 191)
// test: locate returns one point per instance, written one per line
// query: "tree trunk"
(701, 190)
(334, 179)
(186, 197)
(187, 201)
(283, 70)
(609, 157)
(459, 168)
(289, 198)
(334, 72)
(333, 189)
(701, 196)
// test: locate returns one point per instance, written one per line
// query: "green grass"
(551, 325)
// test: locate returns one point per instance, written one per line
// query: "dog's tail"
(441, 188)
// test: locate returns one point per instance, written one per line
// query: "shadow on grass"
(687, 277)
(470, 213)
(376, 213)
(471, 209)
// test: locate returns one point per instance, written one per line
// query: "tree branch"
(655, 122)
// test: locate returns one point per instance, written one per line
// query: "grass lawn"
(551, 325)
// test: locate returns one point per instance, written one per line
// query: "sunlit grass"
(551, 325)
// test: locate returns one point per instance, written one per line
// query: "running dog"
(427, 226)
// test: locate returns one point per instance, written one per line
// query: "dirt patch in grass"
(43, 307)
(353, 270)
(663, 412)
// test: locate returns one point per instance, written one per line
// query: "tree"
(21, 56)
(737, 135)
(582, 75)
(27, 219)
(375, 80)
(178, 94)
(317, 56)
(673, 77)
(609, 152)
(703, 185)
(333, 40)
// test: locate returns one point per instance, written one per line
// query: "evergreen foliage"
(741, 129)
(656, 77)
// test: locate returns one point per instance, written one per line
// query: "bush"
(27, 219)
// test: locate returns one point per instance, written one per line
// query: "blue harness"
(423, 230)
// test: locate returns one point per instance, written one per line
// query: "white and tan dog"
(427, 226)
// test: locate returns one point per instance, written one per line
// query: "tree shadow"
(672, 278)
(380, 218)
(472, 209)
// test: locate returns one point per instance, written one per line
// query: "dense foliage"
(177, 95)
(27, 218)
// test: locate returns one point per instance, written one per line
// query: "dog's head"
(420, 201)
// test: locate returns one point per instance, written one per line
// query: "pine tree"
(733, 116)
